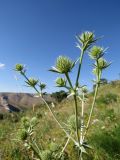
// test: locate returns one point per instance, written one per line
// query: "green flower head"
(85, 39)
(63, 65)
(102, 64)
(32, 82)
(96, 52)
(42, 86)
(60, 82)
(87, 36)
(19, 67)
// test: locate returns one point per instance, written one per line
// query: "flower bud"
(87, 36)
(86, 39)
(32, 82)
(64, 64)
(42, 86)
(96, 52)
(60, 82)
(102, 64)
(19, 67)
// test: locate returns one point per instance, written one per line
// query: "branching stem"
(52, 113)
(93, 104)
(65, 144)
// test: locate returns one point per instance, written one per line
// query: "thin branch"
(82, 120)
(50, 111)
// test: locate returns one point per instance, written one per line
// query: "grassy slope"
(104, 135)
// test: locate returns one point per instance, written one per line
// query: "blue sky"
(35, 32)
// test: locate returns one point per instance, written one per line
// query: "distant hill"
(19, 101)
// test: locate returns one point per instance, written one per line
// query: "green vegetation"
(59, 96)
(83, 127)
(104, 135)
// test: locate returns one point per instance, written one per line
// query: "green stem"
(79, 68)
(81, 155)
(94, 99)
(34, 150)
(50, 110)
(57, 120)
(69, 81)
(82, 121)
(76, 119)
(65, 145)
(37, 147)
(76, 109)
(91, 111)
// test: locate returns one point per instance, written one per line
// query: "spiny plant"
(64, 65)
(27, 135)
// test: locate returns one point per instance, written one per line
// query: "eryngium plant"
(64, 65)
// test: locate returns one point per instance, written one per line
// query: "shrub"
(104, 81)
(107, 99)
(59, 96)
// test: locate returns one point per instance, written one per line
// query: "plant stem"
(69, 81)
(94, 99)
(82, 121)
(65, 144)
(76, 109)
(34, 150)
(50, 110)
(79, 68)
(76, 119)
(81, 156)
(56, 119)
(37, 147)
(91, 111)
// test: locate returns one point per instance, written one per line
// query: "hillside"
(104, 135)
(19, 101)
